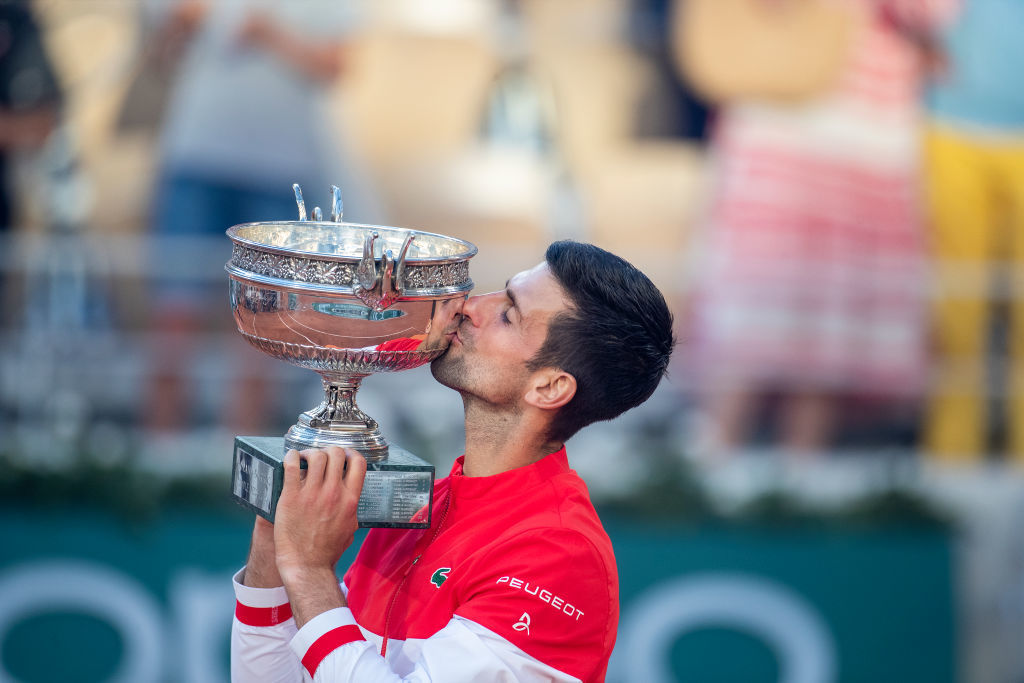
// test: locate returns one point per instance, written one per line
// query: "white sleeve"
(332, 649)
(260, 633)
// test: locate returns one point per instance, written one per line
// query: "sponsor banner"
(802, 603)
(85, 596)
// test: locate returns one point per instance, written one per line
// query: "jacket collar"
(508, 482)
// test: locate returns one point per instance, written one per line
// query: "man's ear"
(550, 388)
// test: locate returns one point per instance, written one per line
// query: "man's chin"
(444, 369)
(443, 358)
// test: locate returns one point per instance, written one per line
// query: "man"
(30, 95)
(243, 70)
(515, 579)
(30, 103)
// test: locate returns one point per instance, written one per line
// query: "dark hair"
(616, 339)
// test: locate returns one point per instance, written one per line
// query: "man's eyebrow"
(511, 295)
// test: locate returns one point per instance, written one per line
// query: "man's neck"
(497, 442)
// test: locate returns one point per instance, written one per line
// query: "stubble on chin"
(448, 369)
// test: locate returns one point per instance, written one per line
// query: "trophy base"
(396, 494)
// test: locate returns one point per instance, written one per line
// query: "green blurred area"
(881, 585)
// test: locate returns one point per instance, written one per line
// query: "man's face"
(499, 334)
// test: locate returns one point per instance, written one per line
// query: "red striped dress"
(810, 264)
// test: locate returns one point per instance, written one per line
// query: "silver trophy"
(345, 300)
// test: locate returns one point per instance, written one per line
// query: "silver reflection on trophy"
(345, 300)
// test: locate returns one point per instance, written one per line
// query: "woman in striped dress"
(810, 268)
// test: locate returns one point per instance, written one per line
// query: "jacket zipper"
(394, 596)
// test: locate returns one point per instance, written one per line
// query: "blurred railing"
(79, 347)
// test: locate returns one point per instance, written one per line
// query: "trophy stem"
(338, 421)
(339, 406)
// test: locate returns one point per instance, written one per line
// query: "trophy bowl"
(345, 300)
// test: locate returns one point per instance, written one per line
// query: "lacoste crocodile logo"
(440, 576)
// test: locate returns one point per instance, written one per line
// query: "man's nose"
(474, 307)
(471, 308)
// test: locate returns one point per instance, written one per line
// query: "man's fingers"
(292, 470)
(335, 465)
(325, 469)
(355, 471)
(316, 465)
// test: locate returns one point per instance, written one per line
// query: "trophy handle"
(299, 201)
(337, 206)
(376, 287)
(366, 272)
(338, 421)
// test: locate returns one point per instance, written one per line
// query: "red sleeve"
(553, 594)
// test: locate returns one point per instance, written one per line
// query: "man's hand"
(315, 523)
(257, 29)
(320, 60)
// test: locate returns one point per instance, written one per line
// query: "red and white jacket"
(514, 581)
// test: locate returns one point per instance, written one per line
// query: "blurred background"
(830, 194)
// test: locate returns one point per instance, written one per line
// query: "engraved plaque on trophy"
(344, 300)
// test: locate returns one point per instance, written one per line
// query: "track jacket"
(514, 581)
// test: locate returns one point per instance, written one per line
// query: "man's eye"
(504, 317)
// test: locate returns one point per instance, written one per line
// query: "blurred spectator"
(675, 111)
(245, 120)
(30, 98)
(810, 269)
(975, 153)
(519, 108)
